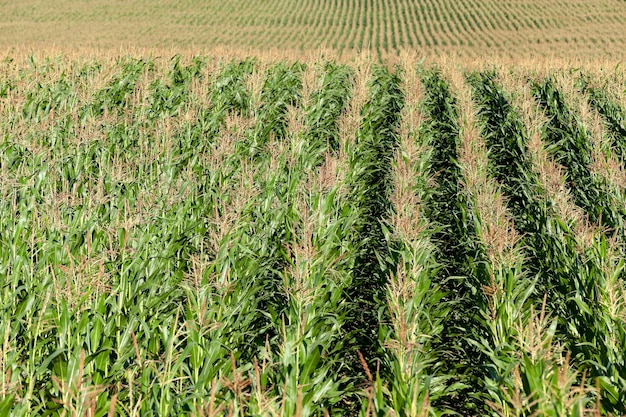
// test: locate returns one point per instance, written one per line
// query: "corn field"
(244, 237)
(590, 29)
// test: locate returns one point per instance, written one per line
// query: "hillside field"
(467, 28)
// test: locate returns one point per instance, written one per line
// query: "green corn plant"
(228, 95)
(507, 314)
(264, 233)
(120, 87)
(251, 261)
(417, 313)
(9, 354)
(5, 87)
(542, 381)
(57, 96)
(150, 266)
(311, 378)
(154, 353)
(327, 104)
(180, 75)
(371, 183)
(309, 332)
(281, 89)
(413, 384)
(229, 92)
(165, 99)
(414, 302)
(509, 292)
(614, 116)
(226, 328)
(571, 146)
(573, 283)
(462, 273)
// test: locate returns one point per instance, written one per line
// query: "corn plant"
(114, 95)
(5, 88)
(613, 114)
(462, 273)
(57, 96)
(574, 284)
(281, 89)
(571, 146)
(166, 98)
(136, 339)
(311, 371)
(302, 262)
(327, 104)
(228, 95)
(414, 301)
(169, 252)
(370, 182)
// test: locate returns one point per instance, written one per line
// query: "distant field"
(513, 28)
